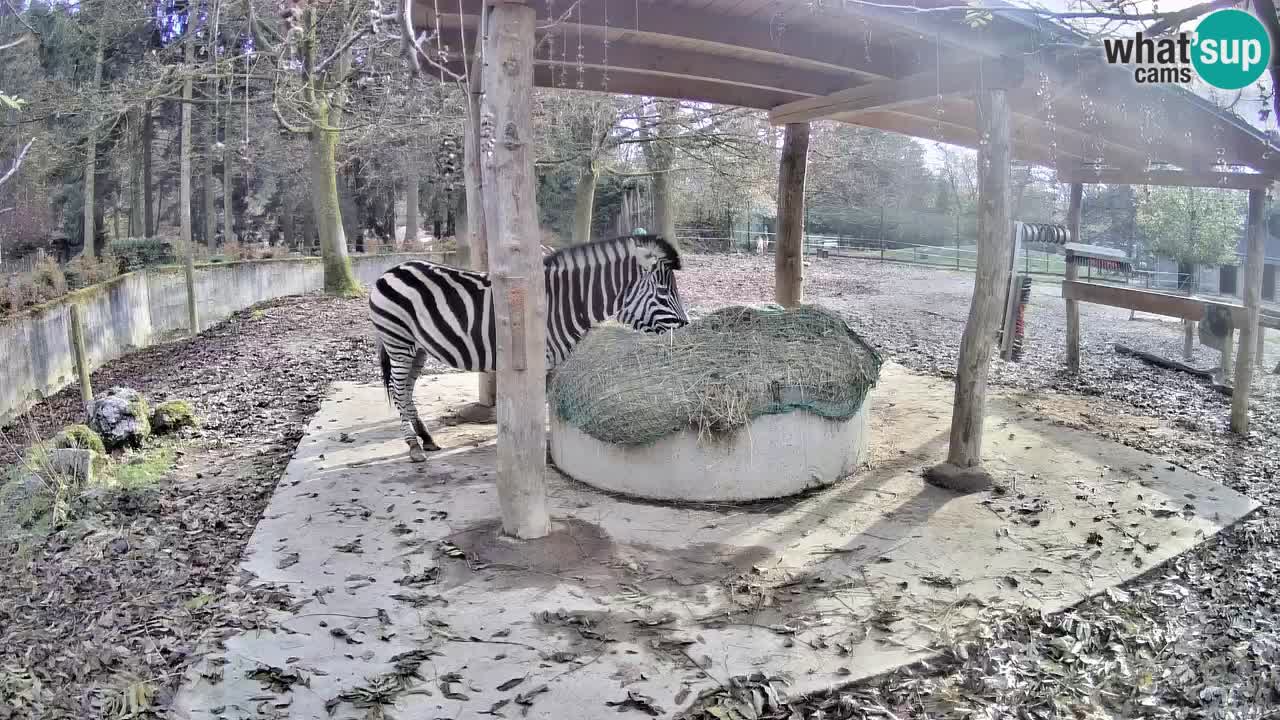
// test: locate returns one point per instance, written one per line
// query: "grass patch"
(143, 469)
(35, 502)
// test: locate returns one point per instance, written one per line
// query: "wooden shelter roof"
(907, 70)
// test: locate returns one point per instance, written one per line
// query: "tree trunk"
(519, 294)
(788, 254)
(339, 279)
(661, 159)
(228, 172)
(411, 187)
(584, 203)
(663, 201)
(137, 218)
(91, 157)
(184, 187)
(1250, 333)
(148, 132)
(994, 237)
(210, 196)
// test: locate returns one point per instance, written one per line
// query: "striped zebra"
(422, 309)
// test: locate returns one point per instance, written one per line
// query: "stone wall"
(138, 309)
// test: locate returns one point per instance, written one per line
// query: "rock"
(44, 468)
(172, 416)
(79, 437)
(120, 417)
(961, 480)
(478, 414)
(73, 464)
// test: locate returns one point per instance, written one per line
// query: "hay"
(714, 375)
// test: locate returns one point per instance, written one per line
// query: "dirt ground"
(121, 606)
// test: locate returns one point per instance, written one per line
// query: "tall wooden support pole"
(82, 359)
(1252, 303)
(788, 261)
(962, 470)
(1228, 347)
(184, 192)
(477, 239)
(519, 294)
(1074, 208)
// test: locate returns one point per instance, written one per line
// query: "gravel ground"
(154, 577)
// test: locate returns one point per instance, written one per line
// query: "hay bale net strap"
(715, 375)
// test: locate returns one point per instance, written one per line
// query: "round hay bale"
(743, 404)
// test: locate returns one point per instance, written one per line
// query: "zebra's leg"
(404, 366)
(419, 428)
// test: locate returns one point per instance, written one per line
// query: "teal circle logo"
(1232, 49)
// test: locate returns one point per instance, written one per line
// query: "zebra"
(422, 309)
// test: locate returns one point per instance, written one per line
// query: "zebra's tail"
(384, 359)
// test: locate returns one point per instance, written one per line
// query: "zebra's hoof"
(416, 455)
(430, 446)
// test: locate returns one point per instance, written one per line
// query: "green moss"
(144, 469)
(81, 437)
(340, 279)
(172, 415)
(142, 412)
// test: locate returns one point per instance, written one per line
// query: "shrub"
(49, 277)
(135, 253)
(275, 251)
(23, 290)
(84, 271)
(232, 250)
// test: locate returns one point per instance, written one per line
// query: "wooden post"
(1252, 302)
(1228, 347)
(1013, 297)
(476, 239)
(82, 359)
(1073, 273)
(520, 302)
(1261, 345)
(788, 266)
(962, 469)
(1188, 340)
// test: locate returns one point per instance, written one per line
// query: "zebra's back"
(446, 311)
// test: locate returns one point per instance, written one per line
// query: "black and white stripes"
(421, 308)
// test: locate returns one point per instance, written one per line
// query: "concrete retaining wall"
(141, 308)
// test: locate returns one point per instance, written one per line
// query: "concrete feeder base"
(773, 456)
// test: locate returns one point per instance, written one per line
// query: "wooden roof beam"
(676, 63)
(946, 132)
(626, 82)
(1167, 178)
(892, 93)
(707, 27)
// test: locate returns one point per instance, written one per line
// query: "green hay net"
(715, 375)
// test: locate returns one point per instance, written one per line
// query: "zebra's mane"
(664, 249)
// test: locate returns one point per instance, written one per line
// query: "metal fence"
(1042, 262)
(24, 264)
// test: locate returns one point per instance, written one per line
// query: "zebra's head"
(653, 303)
